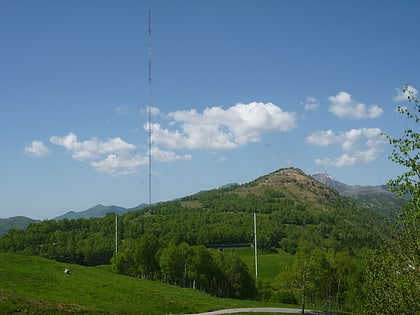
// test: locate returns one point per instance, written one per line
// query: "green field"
(34, 285)
(269, 264)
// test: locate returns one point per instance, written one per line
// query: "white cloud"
(343, 106)
(217, 128)
(93, 148)
(322, 138)
(168, 156)
(213, 129)
(311, 104)
(115, 165)
(192, 136)
(153, 110)
(403, 95)
(36, 148)
(112, 157)
(358, 145)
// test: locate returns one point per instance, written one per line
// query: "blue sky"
(239, 89)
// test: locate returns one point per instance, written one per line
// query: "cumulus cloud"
(322, 138)
(217, 128)
(115, 165)
(343, 106)
(213, 129)
(93, 148)
(403, 95)
(358, 145)
(36, 148)
(113, 156)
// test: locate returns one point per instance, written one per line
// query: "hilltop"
(279, 189)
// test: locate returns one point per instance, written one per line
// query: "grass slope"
(35, 285)
(269, 264)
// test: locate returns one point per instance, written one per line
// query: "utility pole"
(255, 246)
(116, 233)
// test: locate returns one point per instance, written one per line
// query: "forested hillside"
(171, 241)
(14, 223)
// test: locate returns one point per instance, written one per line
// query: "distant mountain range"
(347, 190)
(376, 197)
(97, 211)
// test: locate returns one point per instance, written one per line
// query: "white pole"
(116, 233)
(255, 245)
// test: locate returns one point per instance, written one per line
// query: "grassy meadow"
(34, 285)
(269, 264)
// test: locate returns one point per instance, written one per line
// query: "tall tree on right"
(392, 282)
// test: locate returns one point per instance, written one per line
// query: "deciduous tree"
(392, 284)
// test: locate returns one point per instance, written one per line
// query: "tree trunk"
(303, 300)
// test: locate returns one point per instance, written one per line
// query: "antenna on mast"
(149, 53)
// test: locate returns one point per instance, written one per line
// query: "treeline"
(282, 224)
(81, 241)
(208, 270)
(92, 241)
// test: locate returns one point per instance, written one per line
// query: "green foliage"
(388, 285)
(235, 276)
(81, 241)
(406, 152)
(392, 278)
(207, 270)
(173, 263)
(318, 277)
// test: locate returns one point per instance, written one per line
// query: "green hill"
(94, 212)
(18, 222)
(292, 207)
(34, 285)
